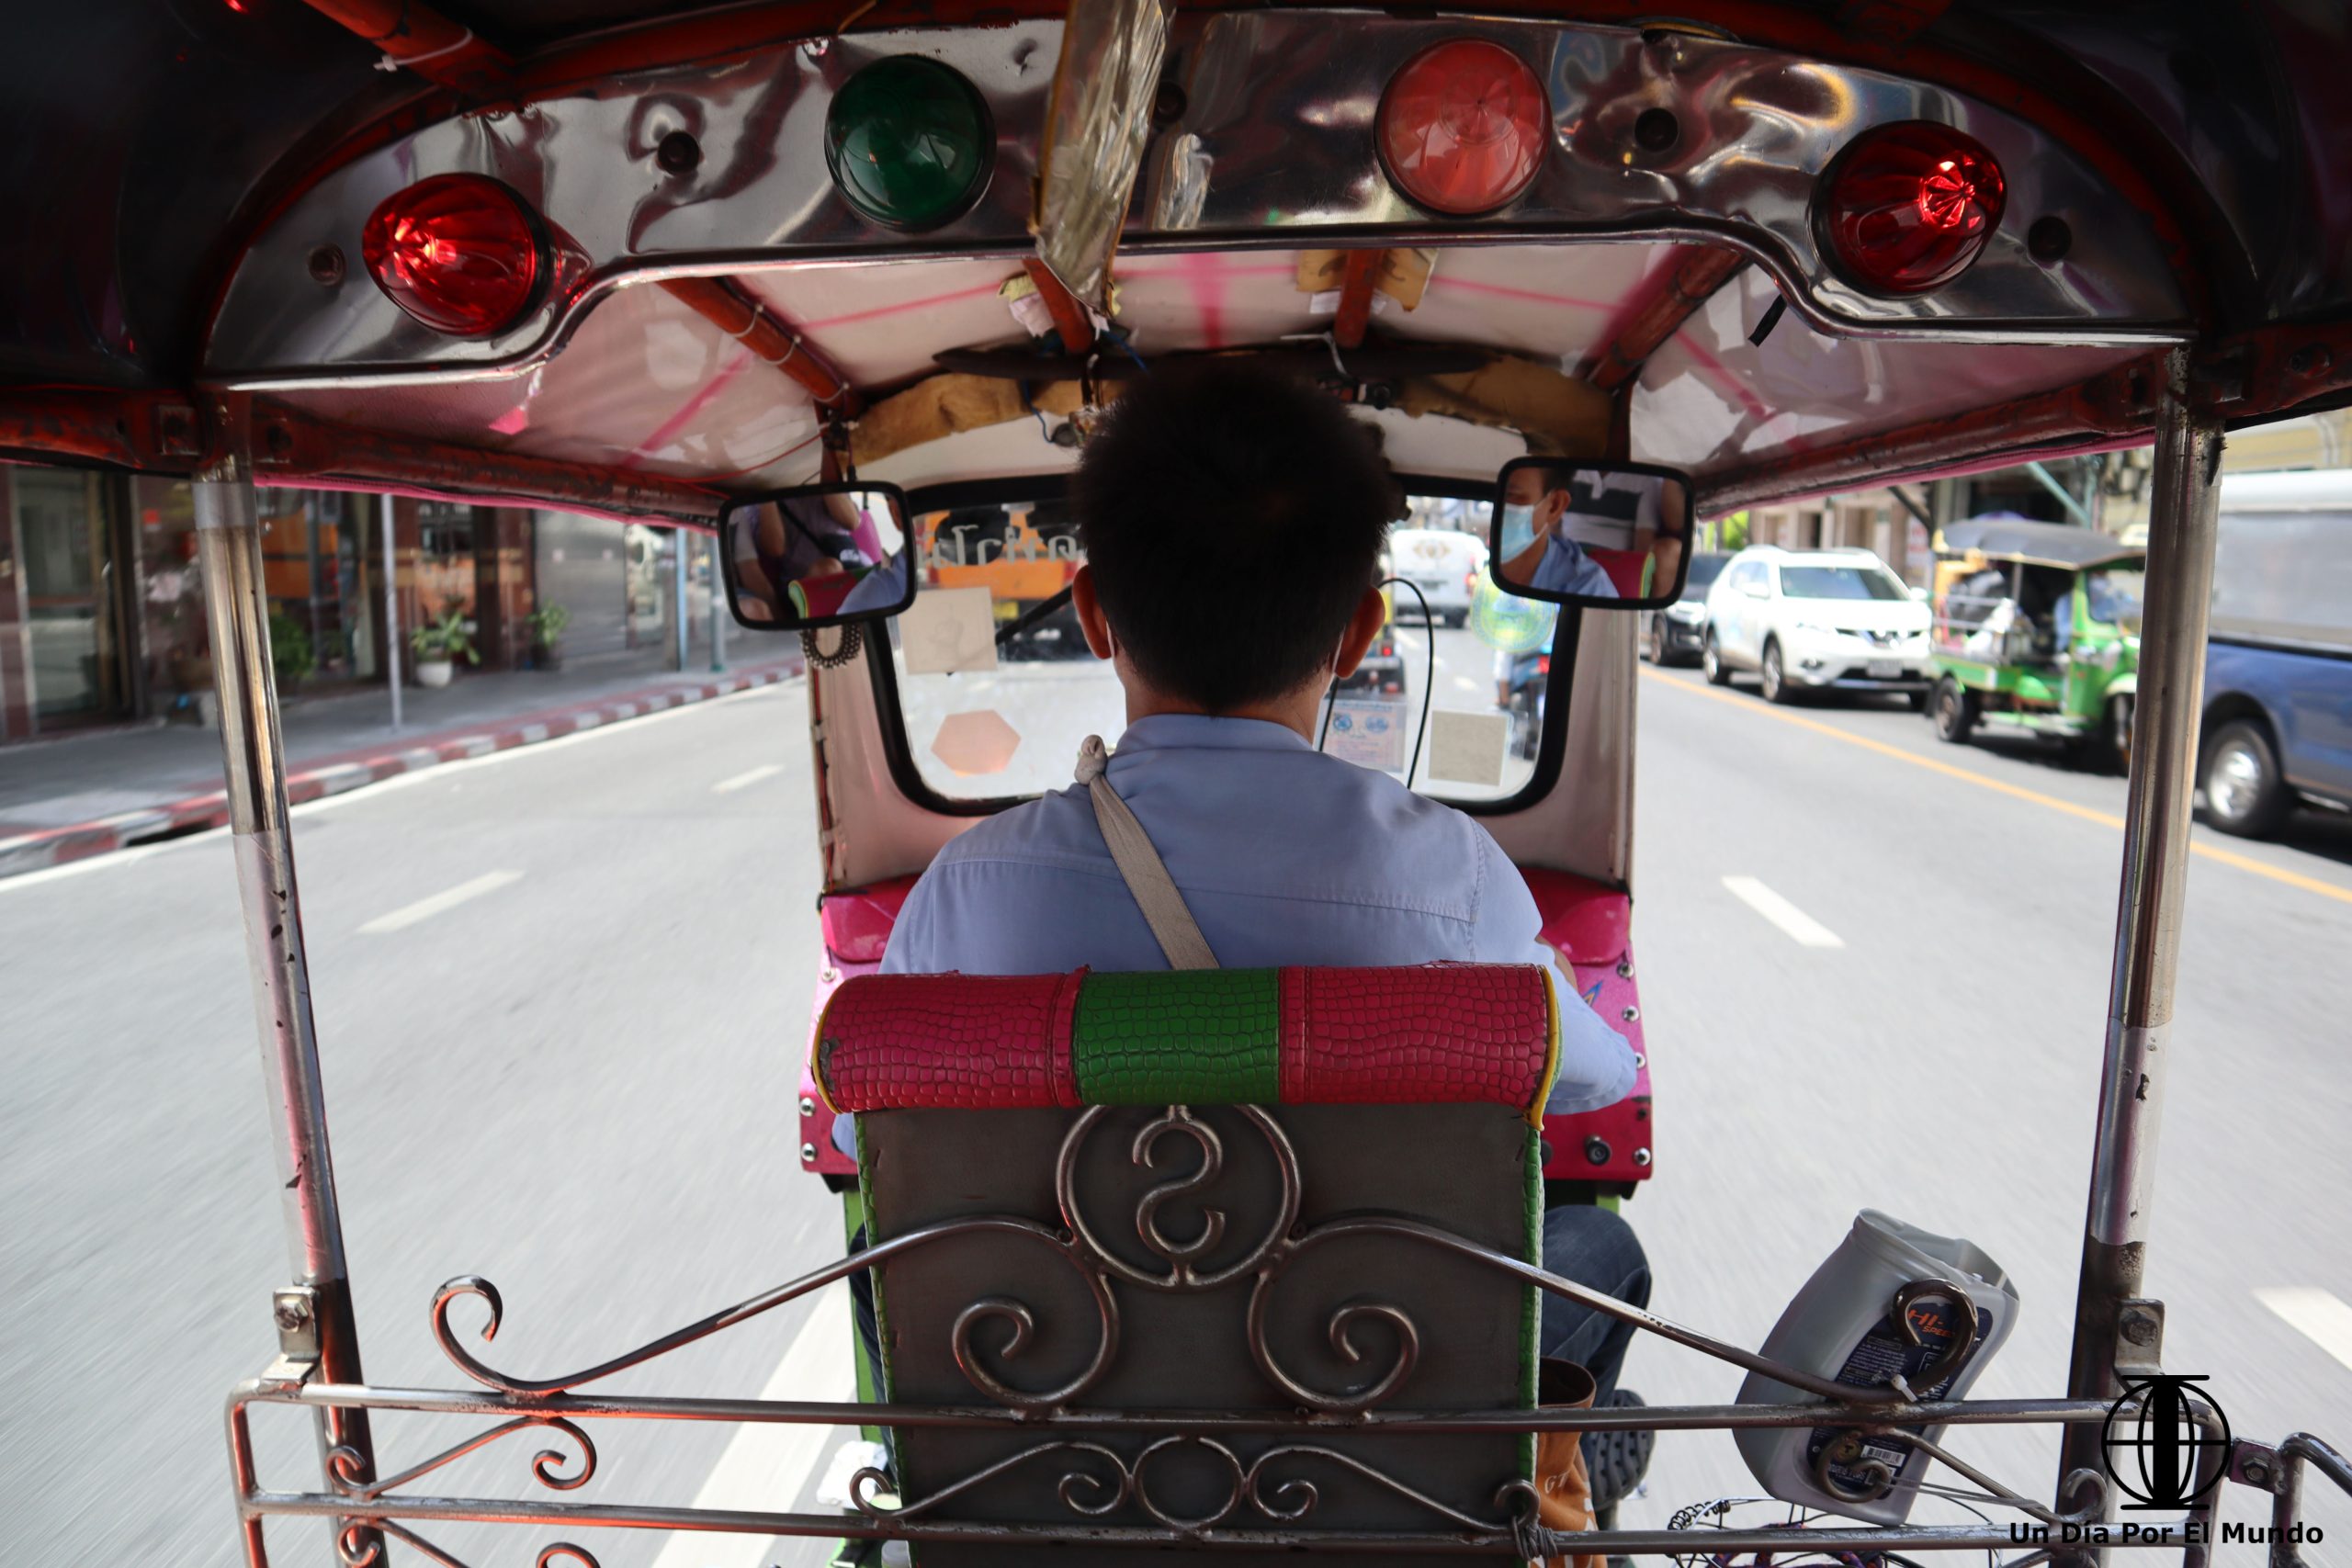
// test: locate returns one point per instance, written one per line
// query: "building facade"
(102, 614)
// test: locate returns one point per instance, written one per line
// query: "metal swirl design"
(1340, 1332)
(1282, 1499)
(348, 1544)
(344, 1464)
(1183, 1257)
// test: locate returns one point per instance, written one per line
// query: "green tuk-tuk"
(2036, 627)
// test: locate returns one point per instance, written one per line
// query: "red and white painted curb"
(55, 846)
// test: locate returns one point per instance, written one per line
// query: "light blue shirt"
(1565, 568)
(1284, 855)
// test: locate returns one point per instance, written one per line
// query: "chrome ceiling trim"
(1272, 148)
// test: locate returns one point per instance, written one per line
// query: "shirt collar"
(1170, 731)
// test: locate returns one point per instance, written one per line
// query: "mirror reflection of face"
(1593, 532)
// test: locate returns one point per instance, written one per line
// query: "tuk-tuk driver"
(1232, 521)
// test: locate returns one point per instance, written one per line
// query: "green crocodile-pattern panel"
(1191, 1037)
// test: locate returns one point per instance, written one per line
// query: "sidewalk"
(62, 800)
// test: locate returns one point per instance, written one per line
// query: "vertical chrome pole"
(679, 541)
(228, 554)
(717, 612)
(2181, 532)
(392, 609)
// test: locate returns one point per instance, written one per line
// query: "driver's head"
(1542, 490)
(1232, 520)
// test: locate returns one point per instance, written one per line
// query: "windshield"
(1704, 570)
(2113, 598)
(997, 691)
(1840, 583)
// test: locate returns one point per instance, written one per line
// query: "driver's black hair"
(1232, 517)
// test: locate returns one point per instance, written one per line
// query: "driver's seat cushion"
(1435, 1034)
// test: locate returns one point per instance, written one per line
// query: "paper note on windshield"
(1467, 747)
(1370, 735)
(948, 630)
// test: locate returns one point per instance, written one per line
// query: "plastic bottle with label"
(1842, 1325)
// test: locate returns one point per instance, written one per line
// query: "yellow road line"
(1969, 775)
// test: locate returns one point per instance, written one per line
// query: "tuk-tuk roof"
(2036, 544)
(2200, 150)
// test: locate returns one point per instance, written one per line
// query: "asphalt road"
(578, 1080)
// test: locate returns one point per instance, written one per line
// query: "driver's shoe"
(1616, 1461)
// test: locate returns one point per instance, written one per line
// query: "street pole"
(392, 610)
(678, 541)
(717, 612)
(313, 1319)
(2111, 1322)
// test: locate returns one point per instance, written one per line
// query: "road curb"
(80, 840)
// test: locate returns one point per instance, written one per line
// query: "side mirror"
(1920, 594)
(1756, 590)
(1599, 536)
(824, 555)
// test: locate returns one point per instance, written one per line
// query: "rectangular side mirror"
(1596, 535)
(825, 554)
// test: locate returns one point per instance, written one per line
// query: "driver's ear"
(1371, 614)
(1091, 619)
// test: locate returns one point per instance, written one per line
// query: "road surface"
(561, 995)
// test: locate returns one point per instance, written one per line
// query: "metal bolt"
(678, 154)
(292, 1313)
(2257, 1473)
(2140, 1328)
(808, 1106)
(1625, 969)
(808, 1154)
(1640, 1061)
(1596, 1150)
(2049, 239)
(1630, 1014)
(1642, 1158)
(2308, 360)
(326, 266)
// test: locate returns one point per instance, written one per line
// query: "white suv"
(1817, 620)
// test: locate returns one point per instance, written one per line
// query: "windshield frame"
(907, 773)
(1862, 570)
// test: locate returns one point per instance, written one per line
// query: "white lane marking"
(1794, 923)
(767, 1465)
(425, 909)
(750, 776)
(2318, 1315)
(440, 773)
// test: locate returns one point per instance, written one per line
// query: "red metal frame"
(755, 325)
(1655, 310)
(1070, 319)
(1362, 270)
(424, 41)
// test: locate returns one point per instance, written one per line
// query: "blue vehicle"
(2278, 728)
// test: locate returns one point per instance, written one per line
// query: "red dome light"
(1462, 127)
(1907, 208)
(460, 252)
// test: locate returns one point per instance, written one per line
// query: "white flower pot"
(432, 671)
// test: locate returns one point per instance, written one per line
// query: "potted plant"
(291, 653)
(546, 623)
(439, 644)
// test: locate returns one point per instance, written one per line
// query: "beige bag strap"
(1141, 868)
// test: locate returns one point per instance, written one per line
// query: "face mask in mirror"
(1572, 531)
(818, 555)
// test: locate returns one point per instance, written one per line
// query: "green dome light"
(908, 142)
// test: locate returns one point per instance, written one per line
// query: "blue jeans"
(1593, 1247)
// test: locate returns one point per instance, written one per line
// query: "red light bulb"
(459, 252)
(1462, 128)
(1907, 207)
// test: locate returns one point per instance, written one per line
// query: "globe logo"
(2166, 1443)
(1508, 622)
